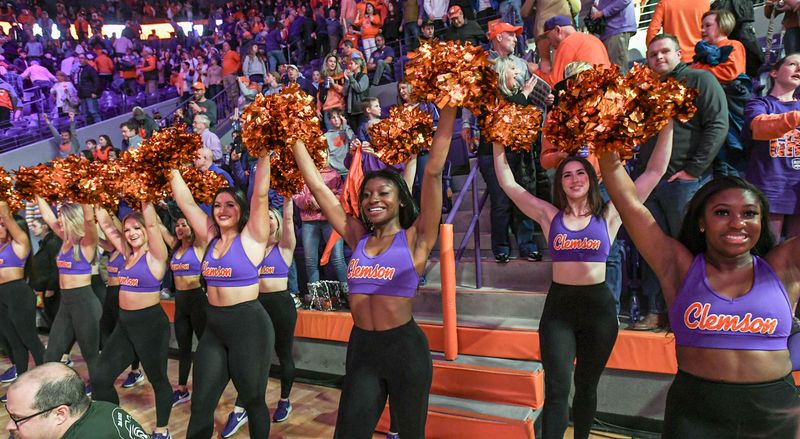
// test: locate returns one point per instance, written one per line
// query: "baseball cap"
(292, 66)
(454, 11)
(502, 27)
(198, 86)
(428, 22)
(558, 20)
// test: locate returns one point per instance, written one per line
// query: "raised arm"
(657, 164)
(535, 208)
(155, 243)
(198, 220)
(90, 235)
(257, 225)
(347, 226)
(669, 259)
(288, 238)
(113, 231)
(20, 241)
(430, 209)
(410, 172)
(49, 217)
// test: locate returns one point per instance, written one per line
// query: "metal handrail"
(474, 223)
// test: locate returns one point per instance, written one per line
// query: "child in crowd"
(339, 136)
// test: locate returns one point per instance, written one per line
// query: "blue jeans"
(667, 204)
(90, 108)
(510, 12)
(313, 233)
(291, 283)
(411, 36)
(614, 261)
(274, 59)
(502, 213)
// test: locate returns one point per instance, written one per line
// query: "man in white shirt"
(210, 140)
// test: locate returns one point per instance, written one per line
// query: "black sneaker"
(534, 256)
(501, 258)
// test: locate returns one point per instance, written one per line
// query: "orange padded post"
(447, 263)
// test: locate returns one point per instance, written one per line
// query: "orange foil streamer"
(609, 112)
(276, 123)
(406, 132)
(7, 192)
(448, 73)
(203, 185)
(511, 125)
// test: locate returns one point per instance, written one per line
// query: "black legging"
(99, 287)
(236, 345)
(78, 318)
(703, 409)
(110, 317)
(18, 323)
(190, 318)
(578, 322)
(395, 363)
(283, 313)
(143, 333)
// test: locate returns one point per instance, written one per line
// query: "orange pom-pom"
(452, 74)
(7, 192)
(203, 185)
(406, 132)
(511, 125)
(276, 123)
(607, 112)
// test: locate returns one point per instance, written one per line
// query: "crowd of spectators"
(338, 50)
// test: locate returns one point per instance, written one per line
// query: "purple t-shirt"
(774, 165)
(378, 55)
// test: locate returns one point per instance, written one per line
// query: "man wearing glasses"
(48, 402)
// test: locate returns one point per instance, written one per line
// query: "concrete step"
(486, 302)
(483, 322)
(518, 274)
(450, 417)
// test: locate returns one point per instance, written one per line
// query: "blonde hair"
(72, 221)
(279, 220)
(139, 218)
(501, 66)
(576, 67)
(725, 20)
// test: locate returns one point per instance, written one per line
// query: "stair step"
(517, 274)
(487, 322)
(522, 304)
(450, 417)
(489, 379)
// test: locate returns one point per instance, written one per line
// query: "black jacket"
(44, 273)
(88, 82)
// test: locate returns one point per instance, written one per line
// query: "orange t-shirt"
(682, 18)
(104, 64)
(231, 63)
(576, 47)
(730, 69)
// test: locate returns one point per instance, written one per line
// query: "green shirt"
(104, 420)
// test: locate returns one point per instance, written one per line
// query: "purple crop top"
(9, 259)
(115, 265)
(233, 269)
(68, 265)
(273, 266)
(139, 278)
(761, 320)
(390, 273)
(590, 244)
(186, 265)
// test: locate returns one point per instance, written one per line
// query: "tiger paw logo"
(127, 428)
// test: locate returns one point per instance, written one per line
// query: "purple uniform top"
(139, 278)
(114, 266)
(390, 273)
(186, 264)
(590, 244)
(273, 266)
(774, 165)
(233, 269)
(760, 320)
(9, 259)
(67, 264)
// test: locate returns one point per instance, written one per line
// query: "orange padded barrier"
(447, 262)
(634, 350)
(506, 386)
(169, 308)
(445, 423)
